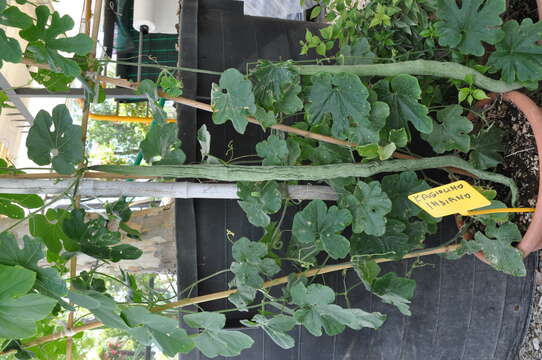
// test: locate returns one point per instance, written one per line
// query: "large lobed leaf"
(55, 140)
(103, 306)
(467, 27)
(275, 327)
(11, 50)
(49, 28)
(398, 187)
(317, 311)
(232, 99)
(48, 227)
(213, 340)
(161, 145)
(249, 266)
(144, 326)
(367, 131)
(48, 280)
(164, 332)
(519, 54)
(390, 288)
(13, 205)
(497, 247)
(320, 227)
(369, 206)
(277, 86)
(344, 97)
(394, 243)
(19, 310)
(46, 40)
(14, 17)
(451, 131)
(357, 53)
(53, 81)
(402, 94)
(486, 148)
(273, 150)
(95, 239)
(258, 200)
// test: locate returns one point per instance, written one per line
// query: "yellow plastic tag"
(454, 198)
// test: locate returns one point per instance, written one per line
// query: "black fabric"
(462, 309)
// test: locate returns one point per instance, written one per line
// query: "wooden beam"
(96, 22)
(179, 190)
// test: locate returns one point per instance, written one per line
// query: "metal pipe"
(116, 118)
(180, 190)
(143, 29)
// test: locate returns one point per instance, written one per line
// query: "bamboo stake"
(88, 16)
(226, 293)
(96, 25)
(69, 327)
(84, 129)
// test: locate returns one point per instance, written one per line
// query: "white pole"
(181, 190)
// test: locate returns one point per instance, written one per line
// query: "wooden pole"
(71, 314)
(84, 129)
(226, 293)
(88, 16)
(96, 22)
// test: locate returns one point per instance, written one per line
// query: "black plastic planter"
(462, 309)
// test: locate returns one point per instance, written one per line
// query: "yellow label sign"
(453, 198)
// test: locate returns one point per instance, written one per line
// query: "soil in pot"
(521, 9)
(520, 159)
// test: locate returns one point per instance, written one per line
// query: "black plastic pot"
(462, 309)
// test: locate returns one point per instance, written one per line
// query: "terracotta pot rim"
(532, 239)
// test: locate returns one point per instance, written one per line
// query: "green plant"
(470, 93)
(371, 108)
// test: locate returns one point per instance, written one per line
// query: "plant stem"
(282, 216)
(282, 308)
(158, 66)
(189, 287)
(248, 307)
(310, 173)
(53, 200)
(416, 67)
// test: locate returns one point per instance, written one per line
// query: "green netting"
(157, 48)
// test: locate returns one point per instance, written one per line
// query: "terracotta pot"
(532, 240)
